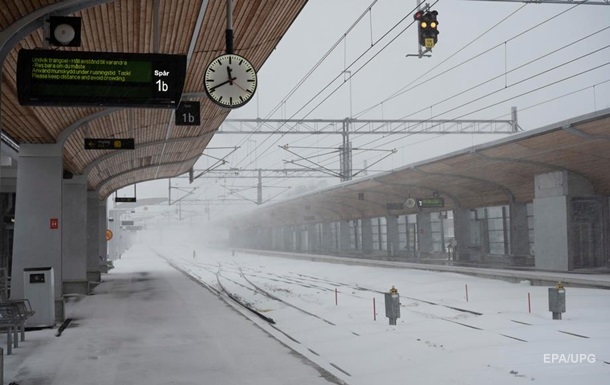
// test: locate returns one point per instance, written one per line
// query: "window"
(498, 224)
(379, 233)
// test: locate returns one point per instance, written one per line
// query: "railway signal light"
(427, 28)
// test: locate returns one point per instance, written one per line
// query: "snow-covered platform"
(599, 278)
(147, 323)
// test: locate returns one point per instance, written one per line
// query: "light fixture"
(64, 31)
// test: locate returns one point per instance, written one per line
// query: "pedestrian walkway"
(148, 324)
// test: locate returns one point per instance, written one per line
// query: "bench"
(13, 315)
(10, 320)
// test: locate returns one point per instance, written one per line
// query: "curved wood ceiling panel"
(131, 26)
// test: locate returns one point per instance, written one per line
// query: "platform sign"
(77, 78)
(109, 144)
(125, 199)
(430, 202)
(188, 114)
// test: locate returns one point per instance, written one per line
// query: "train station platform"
(592, 278)
(147, 323)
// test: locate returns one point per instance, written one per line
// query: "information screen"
(430, 202)
(71, 78)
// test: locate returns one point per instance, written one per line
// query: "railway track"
(260, 293)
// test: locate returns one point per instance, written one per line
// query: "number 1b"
(162, 86)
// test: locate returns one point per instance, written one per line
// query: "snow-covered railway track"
(511, 329)
(291, 297)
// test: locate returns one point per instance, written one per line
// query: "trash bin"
(39, 289)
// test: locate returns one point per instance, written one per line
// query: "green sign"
(430, 202)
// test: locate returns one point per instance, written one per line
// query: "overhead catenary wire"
(507, 86)
(309, 73)
(260, 156)
(487, 51)
(352, 74)
(316, 66)
(407, 88)
(497, 24)
(339, 75)
(459, 50)
(511, 85)
(360, 68)
(522, 94)
(504, 100)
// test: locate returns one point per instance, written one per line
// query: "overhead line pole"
(366, 127)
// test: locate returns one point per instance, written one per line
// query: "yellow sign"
(108, 234)
(429, 42)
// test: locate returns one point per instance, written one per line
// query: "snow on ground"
(147, 324)
(431, 343)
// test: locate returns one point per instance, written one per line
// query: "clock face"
(410, 203)
(230, 81)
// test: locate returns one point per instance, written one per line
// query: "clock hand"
(229, 73)
(243, 89)
(222, 84)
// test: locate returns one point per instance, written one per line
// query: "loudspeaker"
(64, 31)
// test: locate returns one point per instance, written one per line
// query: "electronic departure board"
(72, 78)
(430, 202)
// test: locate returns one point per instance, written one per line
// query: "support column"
(37, 243)
(8, 187)
(102, 225)
(287, 238)
(8, 175)
(553, 218)
(392, 235)
(463, 226)
(93, 230)
(519, 233)
(74, 236)
(298, 238)
(115, 246)
(314, 240)
(424, 238)
(345, 239)
(367, 235)
(327, 237)
(267, 239)
(276, 238)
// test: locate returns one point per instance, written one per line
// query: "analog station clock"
(230, 81)
(410, 203)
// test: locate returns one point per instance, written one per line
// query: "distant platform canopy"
(496, 173)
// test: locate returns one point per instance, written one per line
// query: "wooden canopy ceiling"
(487, 175)
(195, 28)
